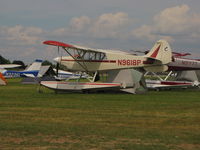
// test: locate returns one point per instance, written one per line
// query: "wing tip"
(56, 43)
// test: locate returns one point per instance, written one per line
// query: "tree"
(46, 62)
(3, 60)
(19, 62)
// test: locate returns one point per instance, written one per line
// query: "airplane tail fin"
(159, 55)
(35, 66)
(161, 51)
(2, 80)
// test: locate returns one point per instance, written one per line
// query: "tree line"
(20, 62)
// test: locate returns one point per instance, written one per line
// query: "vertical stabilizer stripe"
(155, 53)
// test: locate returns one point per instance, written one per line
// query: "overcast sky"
(111, 24)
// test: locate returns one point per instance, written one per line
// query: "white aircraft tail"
(159, 56)
(161, 51)
(36, 65)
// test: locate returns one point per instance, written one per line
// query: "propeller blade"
(97, 78)
(57, 67)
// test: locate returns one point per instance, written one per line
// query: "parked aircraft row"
(117, 63)
(30, 71)
(159, 59)
(123, 71)
(33, 71)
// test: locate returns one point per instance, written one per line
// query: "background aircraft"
(177, 68)
(66, 75)
(31, 71)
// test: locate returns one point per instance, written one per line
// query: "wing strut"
(84, 67)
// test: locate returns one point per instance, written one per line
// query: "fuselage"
(181, 64)
(110, 62)
(88, 59)
(17, 74)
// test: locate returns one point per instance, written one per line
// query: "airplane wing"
(176, 54)
(79, 53)
(69, 46)
(3, 66)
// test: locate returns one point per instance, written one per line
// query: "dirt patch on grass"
(61, 140)
(189, 146)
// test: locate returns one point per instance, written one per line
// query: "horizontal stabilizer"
(160, 68)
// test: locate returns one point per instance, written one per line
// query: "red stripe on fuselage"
(174, 83)
(100, 61)
(181, 68)
(72, 83)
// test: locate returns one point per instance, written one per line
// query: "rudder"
(36, 65)
(161, 51)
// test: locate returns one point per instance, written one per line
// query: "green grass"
(153, 121)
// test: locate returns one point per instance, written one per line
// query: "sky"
(107, 24)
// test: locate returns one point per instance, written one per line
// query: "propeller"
(97, 77)
(57, 67)
(58, 62)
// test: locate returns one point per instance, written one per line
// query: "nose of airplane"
(57, 59)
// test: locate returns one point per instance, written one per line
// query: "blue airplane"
(31, 71)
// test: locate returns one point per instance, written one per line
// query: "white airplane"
(161, 84)
(98, 60)
(92, 60)
(178, 66)
(31, 71)
(66, 75)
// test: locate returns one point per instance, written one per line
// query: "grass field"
(153, 121)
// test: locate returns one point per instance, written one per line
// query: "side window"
(94, 56)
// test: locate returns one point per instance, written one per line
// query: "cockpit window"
(89, 55)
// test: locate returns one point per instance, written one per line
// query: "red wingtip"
(56, 43)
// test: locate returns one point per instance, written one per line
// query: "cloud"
(19, 35)
(144, 31)
(175, 22)
(79, 23)
(76, 27)
(106, 30)
(21, 42)
(109, 25)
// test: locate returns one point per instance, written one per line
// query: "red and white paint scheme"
(182, 64)
(91, 60)
(2, 80)
(157, 84)
(179, 64)
(98, 60)
(79, 86)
